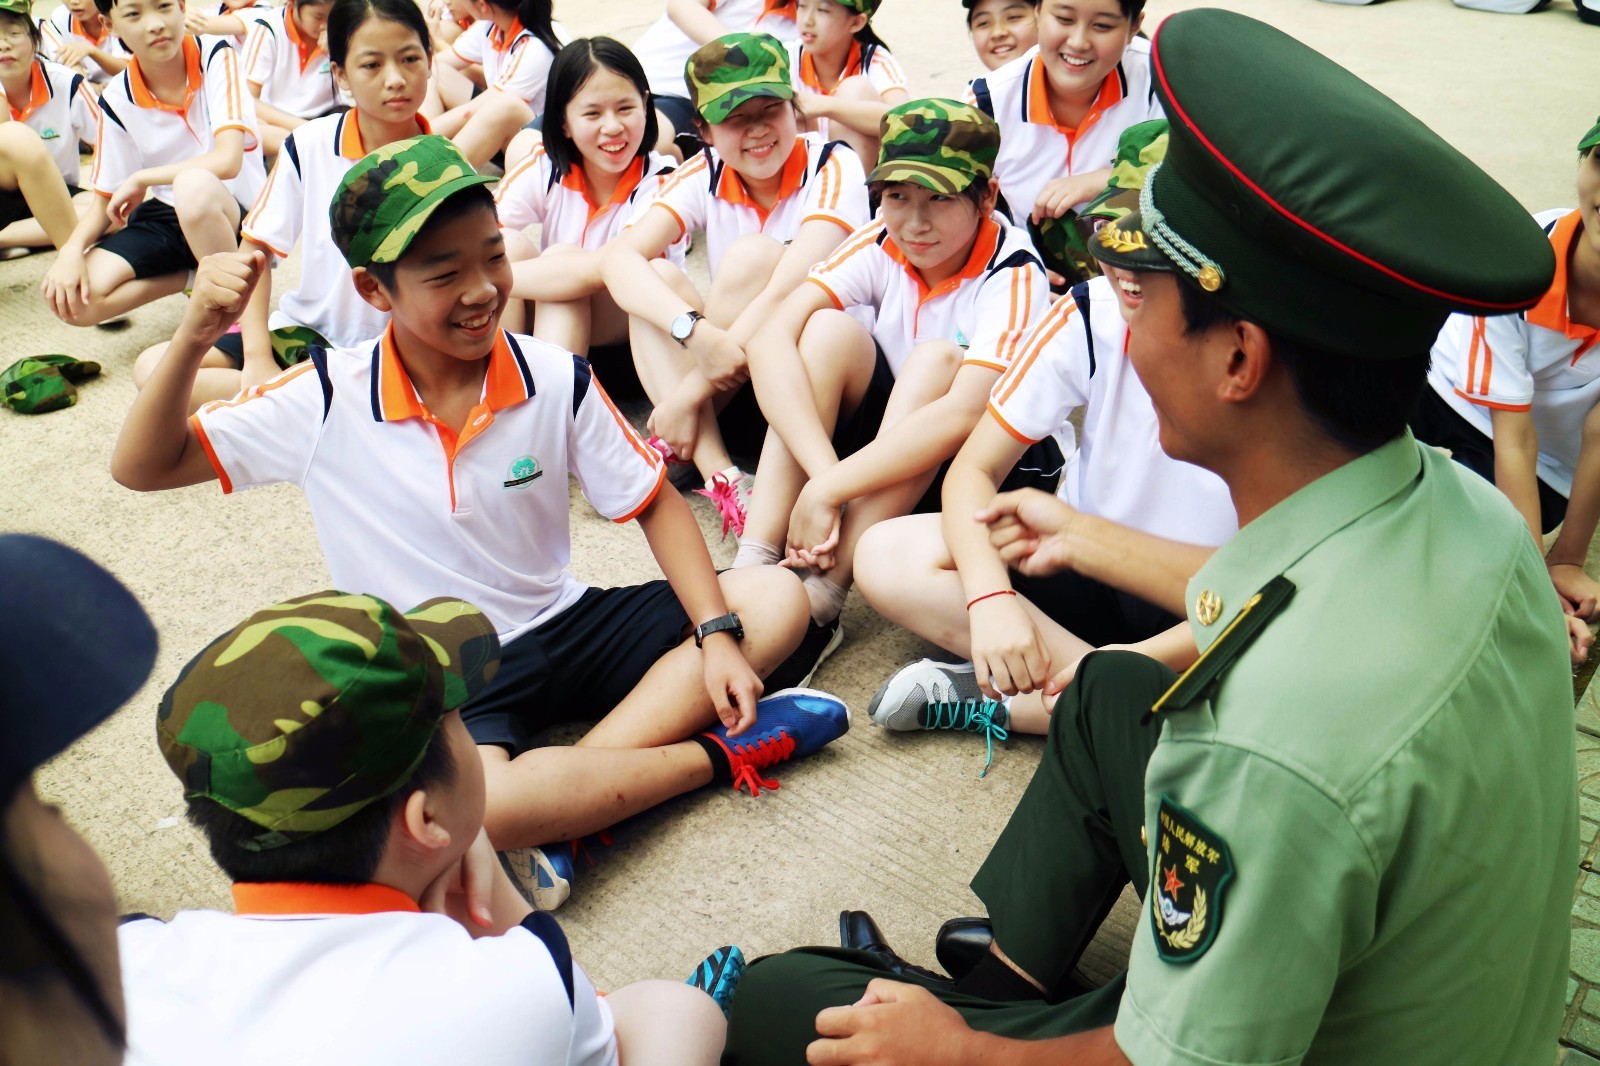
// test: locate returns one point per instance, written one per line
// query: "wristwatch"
(727, 623)
(683, 327)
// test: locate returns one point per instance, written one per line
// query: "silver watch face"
(683, 327)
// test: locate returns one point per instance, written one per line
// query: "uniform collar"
(575, 180)
(1554, 311)
(983, 249)
(1112, 90)
(76, 27)
(394, 398)
(308, 50)
(778, 8)
(808, 68)
(284, 898)
(730, 187)
(350, 146)
(39, 93)
(191, 73)
(1294, 527)
(501, 41)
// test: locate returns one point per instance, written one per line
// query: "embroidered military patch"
(1192, 871)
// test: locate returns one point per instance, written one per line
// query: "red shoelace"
(726, 497)
(745, 760)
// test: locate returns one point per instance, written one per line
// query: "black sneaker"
(797, 670)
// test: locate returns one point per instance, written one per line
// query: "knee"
(749, 259)
(833, 335)
(677, 280)
(881, 557)
(520, 147)
(519, 247)
(21, 146)
(936, 357)
(771, 592)
(146, 364)
(195, 191)
(858, 89)
(507, 111)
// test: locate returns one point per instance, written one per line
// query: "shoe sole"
(719, 979)
(526, 881)
(827, 650)
(904, 719)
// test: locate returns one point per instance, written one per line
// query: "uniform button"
(1144, 838)
(1208, 607)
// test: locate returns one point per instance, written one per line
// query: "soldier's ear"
(371, 289)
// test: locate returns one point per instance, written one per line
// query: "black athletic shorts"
(153, 243)
(1091, 610)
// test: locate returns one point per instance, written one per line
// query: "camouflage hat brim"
(398, 239)
(463, 640)
(946, 180)
(1124, 243)
(717, 111)
(1112, 203)
(1590, 139)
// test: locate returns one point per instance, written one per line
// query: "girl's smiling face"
(606, 120)
(756, 138)
(1002, 30)
(935, 231)
(1081, 42)
(827, 27)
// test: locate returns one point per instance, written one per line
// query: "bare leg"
(664, 1023)
(496, 120)
(659, 360)
(26, 166)
(207, 212)
(113, 290)
(856, 89)
(217, 379)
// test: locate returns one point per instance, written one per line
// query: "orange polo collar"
(1554, 311)
(731, 187)
(295, 898)
(782, 8)
(350, 146)
(191, 72)
(38, 94)
(308, 50)
(501, 41)
(504, 384)
(808, 69)
(76, 27)
(983, 248)
(578, 183)
(1039, 111)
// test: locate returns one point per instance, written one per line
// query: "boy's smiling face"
(1002, 30)
(1081, 42)
(152, 29)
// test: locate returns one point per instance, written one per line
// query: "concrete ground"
(890, 823)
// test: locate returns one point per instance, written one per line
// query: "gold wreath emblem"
(1119, 240)
(1189, 935)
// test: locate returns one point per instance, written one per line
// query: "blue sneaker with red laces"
(789, 725)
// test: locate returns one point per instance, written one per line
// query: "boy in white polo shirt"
(940, 577)
(1063, 105)
(177, 160)
(435, 460)
(348, 847)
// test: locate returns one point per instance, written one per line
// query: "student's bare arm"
(1567, 554)
(259, 364)
(695, 19)
(779, 377)
(971, 482)
(1516, 465)
(862, 116)
(158, 447)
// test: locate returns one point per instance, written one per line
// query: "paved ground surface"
(894, 824)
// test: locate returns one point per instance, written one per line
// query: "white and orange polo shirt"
(61, 110)
(138, 131)
(985, 309)
(515, 62)
(294, 205)
(821, 181)
(63, 24)
(406, 509)
(1033, 148)
(564, 208)
(1538, 360)
(870, 61)
(664, 49)
(290, 72)
(1077, 356)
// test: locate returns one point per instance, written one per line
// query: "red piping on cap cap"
(1155, 55)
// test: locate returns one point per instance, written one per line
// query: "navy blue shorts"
(578, 665)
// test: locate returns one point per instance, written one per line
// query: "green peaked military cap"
(311, 709)
(389, 194)
(1323, 211)
(724, 73)
(943, 145)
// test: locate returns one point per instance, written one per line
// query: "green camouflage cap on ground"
(311, 709)
(943, 145)
(1590, 139)
(726, 72)
(43, 383)
(388, 195)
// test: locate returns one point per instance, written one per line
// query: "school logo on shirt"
(49, 134)
(1192, 870)
(524, 471)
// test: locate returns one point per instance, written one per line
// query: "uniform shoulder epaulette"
(1207, 670)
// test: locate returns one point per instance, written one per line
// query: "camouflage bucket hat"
(311, 709)
(726, 72)
(941, 145)
(43, 383)
(387, 197)
(1590, 139)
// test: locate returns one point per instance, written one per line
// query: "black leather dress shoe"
(961, 943)
(857, 930)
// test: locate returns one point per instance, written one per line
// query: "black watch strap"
(727, 623)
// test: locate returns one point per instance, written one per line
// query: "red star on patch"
(1173, 884)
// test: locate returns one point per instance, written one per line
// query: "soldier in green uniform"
(1353, 822)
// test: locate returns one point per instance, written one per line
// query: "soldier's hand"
(893, 1023)
(1031, 530)
(222, 287)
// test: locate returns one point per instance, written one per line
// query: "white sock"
(827, 598)
(755, 553)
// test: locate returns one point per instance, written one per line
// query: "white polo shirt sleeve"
(685, 194)
(85, 112)
(116, 156)
(473, 42)
(857, 273)
(838, 192)
(266, 435)
(228, 105)
(522, 196)
(260, 53)
(1049, 377)
(275, 220)
(885, 73)
(618, 472)
(526, 71)
(1489, 360)
(1009, 301)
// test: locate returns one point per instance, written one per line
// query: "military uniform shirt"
(1538, 360)
(407, 510)
(63, 24)
(985, 309)
(292, 73)
(1077, 356)
(1388, 773)
(62, 111)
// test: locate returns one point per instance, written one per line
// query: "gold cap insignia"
(1208, 607)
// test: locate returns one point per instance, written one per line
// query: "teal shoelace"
(971, 716)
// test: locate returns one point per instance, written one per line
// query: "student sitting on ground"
(288, 69)
(379, 54)
(954, 288)
(844, 76)
(349, 847)
(771, 203)
(45, 111)
(79, 37)
(435, 461)
(941, 578)
(177, 159)
(513, 43)
(1002, 30)
(590, 173)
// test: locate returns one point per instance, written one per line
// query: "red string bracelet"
(992, 595)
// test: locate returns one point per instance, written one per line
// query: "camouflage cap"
(726, 72)
(860, 7)
(1140, 150)
(1591, 138)
(309, 710)
(18, 7)
(388, 195)
(42, 383)
(941, 145)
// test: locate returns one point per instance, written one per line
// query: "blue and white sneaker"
(719, 975)
(789, 724)
(930, 695)
(544, 877)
